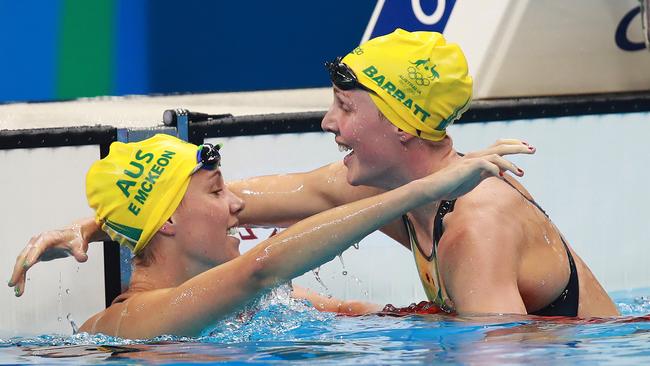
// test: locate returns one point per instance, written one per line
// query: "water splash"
(635, 306)
(344, 271)
(75, 329)
(275, 315)
(316, 272)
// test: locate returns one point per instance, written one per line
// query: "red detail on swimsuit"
(428, 278)
(421, 308)
(251, 235)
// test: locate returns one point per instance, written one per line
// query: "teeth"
(233, 231)
(343, 148)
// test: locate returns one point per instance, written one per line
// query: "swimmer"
(166, 200)
(493, 250)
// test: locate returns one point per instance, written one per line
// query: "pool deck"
(146, 111)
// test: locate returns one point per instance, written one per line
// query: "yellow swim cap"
(421, 82)
(138, 186)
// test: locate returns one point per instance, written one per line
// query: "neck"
(425, 158)
(168, 268)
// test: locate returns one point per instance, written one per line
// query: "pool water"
(279, 330)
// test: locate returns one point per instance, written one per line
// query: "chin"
(352, 177)
(355, 179)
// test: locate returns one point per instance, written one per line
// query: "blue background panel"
(29, 32)
(249, 45)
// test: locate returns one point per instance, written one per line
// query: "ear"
(404, 137)
(168, 228)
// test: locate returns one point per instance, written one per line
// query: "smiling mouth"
(344, 148)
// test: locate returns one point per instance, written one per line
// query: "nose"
(236, 204)
(328, 124)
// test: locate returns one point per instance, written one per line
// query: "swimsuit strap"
(444, 208)
(527, 199)
(566, 304)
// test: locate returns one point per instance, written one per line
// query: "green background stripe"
(86, 49)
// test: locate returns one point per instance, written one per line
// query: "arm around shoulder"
(281, 200)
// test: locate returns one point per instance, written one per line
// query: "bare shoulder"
(494, 195)
(103, 322)
(120, 318)
(483, 219)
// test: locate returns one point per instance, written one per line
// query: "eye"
(343, 105)
(217, 192)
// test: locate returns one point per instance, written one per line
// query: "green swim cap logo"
(418, 72)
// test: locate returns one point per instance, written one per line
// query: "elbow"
(261, 276)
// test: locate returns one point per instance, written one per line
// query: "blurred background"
(66, 49)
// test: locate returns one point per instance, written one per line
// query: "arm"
(204, 299)
(301, 195)
(55, 244)
(333, 305)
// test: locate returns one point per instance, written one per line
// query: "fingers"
(505, 147)
(79, 254)
(24, 261)
(509, 142)
(501, 164)
(17, 277)
(79, 251)
(47, 246)
(510, 149)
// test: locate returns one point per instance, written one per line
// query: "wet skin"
(498, 254)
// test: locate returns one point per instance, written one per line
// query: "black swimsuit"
(566, 304)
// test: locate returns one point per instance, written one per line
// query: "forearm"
(274, 200)
(334, 305)
(282, 200)
(316, 240)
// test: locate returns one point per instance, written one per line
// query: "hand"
(504, 147)
(465, 174)
(48, 246)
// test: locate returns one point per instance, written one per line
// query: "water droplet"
(316, 271)
(59, 319)
(75, 329)
(67, 291)
(345, 273)
(355, 246)
(360, 284)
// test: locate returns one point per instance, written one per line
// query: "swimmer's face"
(202, 220)
(358, 126)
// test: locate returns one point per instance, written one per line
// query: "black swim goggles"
(343, 77)
(208, 157)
